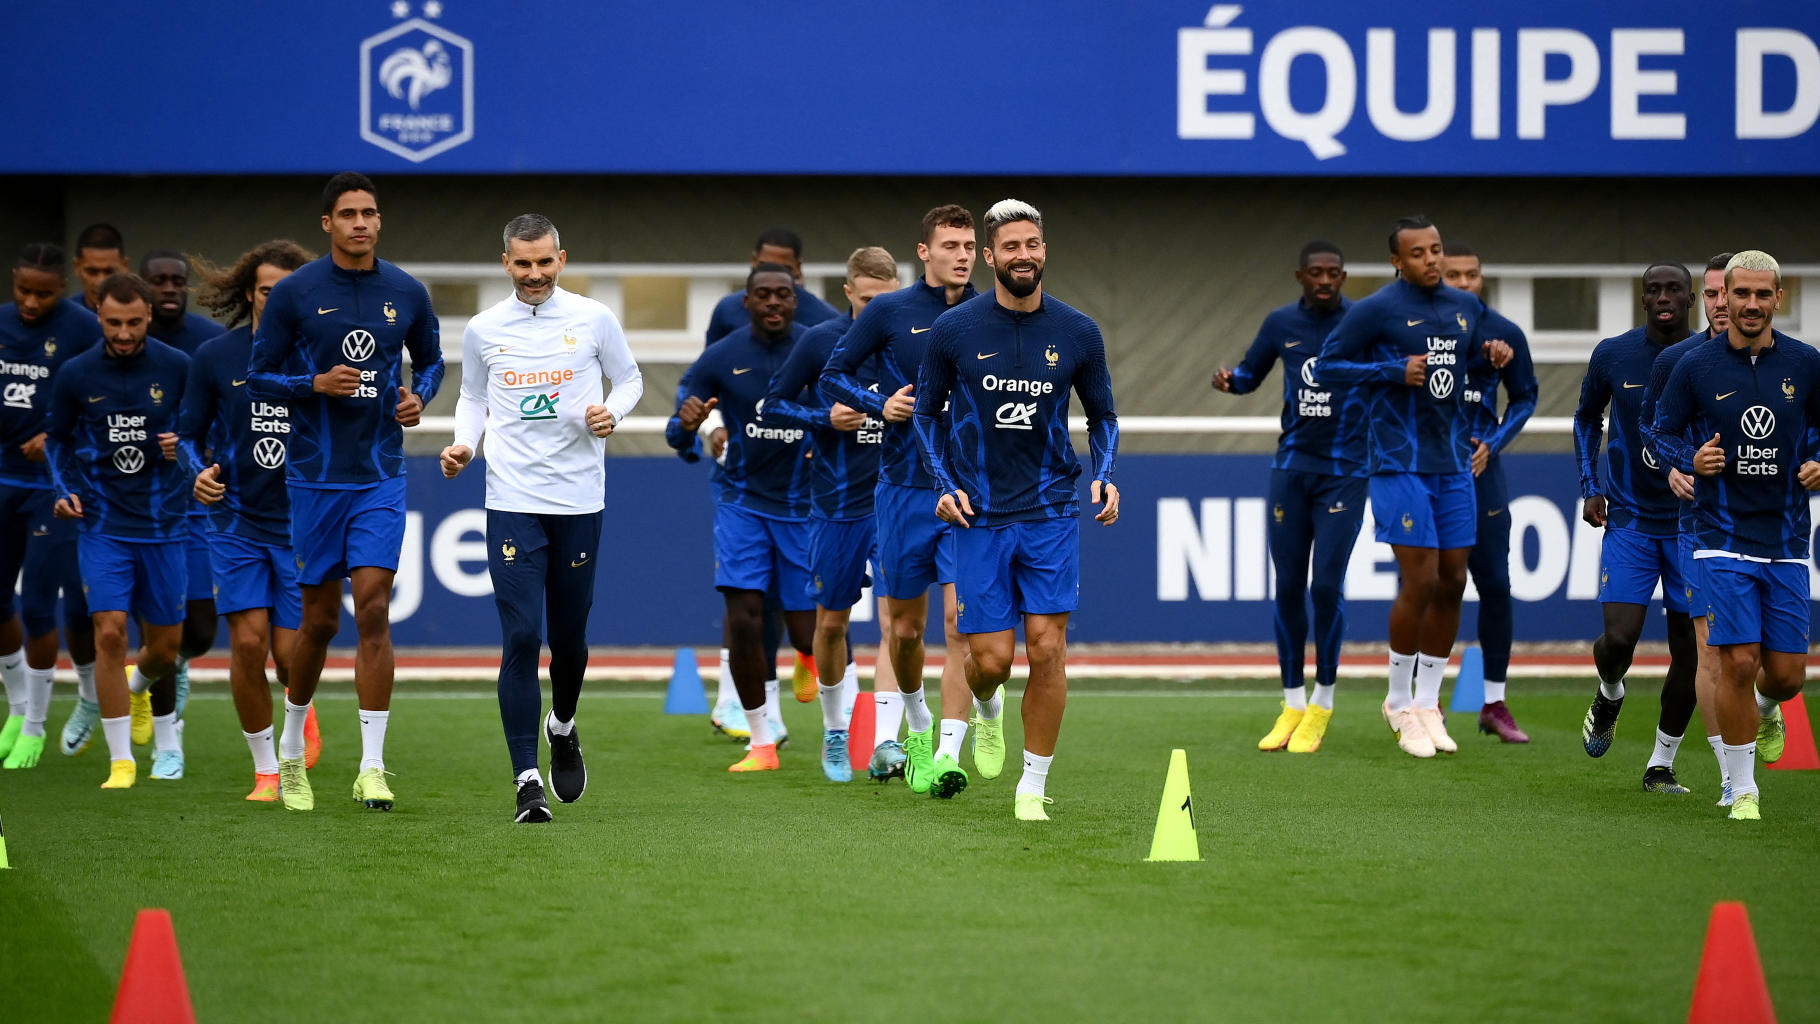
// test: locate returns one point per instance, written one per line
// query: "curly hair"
(224, 289)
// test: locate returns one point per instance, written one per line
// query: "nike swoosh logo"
(1721, 398)
(921, 330)
(1291, 344)
(1412, 323)
(986, 355)
(577, 565)
(1493, 512)
(1628, 385)
(738, 372)
(1336, 508)
(325, 312)
(97, 398)
(239, 382)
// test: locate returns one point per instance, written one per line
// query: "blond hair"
(871, 261)
(1753, 259)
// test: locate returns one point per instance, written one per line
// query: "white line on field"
(416, 694)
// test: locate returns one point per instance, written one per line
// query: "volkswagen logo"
(358, 346)
(1440, 382)
(268, 452)
(128, 459)
(1308, 374)
(1758, 422)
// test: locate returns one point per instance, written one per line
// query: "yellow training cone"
(3, 863)
(1175, 838)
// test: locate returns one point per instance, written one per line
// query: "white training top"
(528, 375)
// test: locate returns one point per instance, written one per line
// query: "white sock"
(916, 712)
(1612, 691)
(773, 709)
(137, 681)
(1323, 696)
(1718, 745)
(1402, 681)
(558, 727)
(728, 692)
(1036, 773)
(1666, 748)
(849, 691)
(85, 683)
(1494, 691)
(119, 733)
(12, 675)
(834, 717)
(290, 742)
(1295, 697)
(37, 699)
(887, 716)
(1766, 707)
(1740, 765)
(372, 738)
(760, 725)
(164, 734)
(990, 709)
(529, 775)
(954, 730)
(1429, 670)
(265, 755)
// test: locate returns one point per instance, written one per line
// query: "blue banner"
(1187, 563)
(1176, 87)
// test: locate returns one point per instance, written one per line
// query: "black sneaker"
(533, 809)
(568, 772)
(1661, 779)
(1601, 724)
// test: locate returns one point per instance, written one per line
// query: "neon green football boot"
(919, 766)
(26, 752)
(371, 790)
(9, 733)
(294, 785)
(950, 777)
(1029, 807)
(989, 741)
(1772, 736)
(1744, 808)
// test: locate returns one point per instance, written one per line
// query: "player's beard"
(1017, 287)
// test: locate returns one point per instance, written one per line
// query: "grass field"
(1505, 883)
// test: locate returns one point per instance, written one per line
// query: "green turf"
(1506, 883)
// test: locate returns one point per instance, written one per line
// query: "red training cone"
(152, 989)
(1799, 754)
(862, 730)
(1730, 988)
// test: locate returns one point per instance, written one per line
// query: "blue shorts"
(753, 552)
(146, 578)
(1690, 575)
(838, 550)
(1631, 562)
(18, 510)
(915, 548)
(1006, 572)
(202, 572)
(249, 574)
(52, 566)
(1756, 603)
(1425, 510)
(336, 531)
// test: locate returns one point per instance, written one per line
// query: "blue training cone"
(685, 696)
(1469, 685)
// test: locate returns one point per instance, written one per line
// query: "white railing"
(1128, 425)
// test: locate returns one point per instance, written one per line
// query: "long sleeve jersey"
(1636, 489)
(188, 334)
(324, 316)
(1761, 408)
(223, 424)
(766, 469)
(1413, 429)
(528, 375)
(730, 313)
(1659, 372)
(106, 415)
(1004, 377)
(895, 327)
(844, 470)
(1323, 426)
(1518, 378)
(30, 356)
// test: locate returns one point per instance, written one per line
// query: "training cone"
(862, 729)
(1797, 755)
(152, 989)
(685, 696)
(1469, 685)
(1730, 988)
(1175, 838)
(3, 861)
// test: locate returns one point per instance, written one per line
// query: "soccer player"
(531, 384)
(1706, 671)
(1317, 490)
(783, 247)
(112, 407)
(1638, 512)
(761, 524)
(992, 420)
(330, 345)
(168, 273)
(1410, 344)
(843, 474)
(234, 446)
(915, 549)
(39, 332)
(1755, 394)
(100, 254)
(1489, 563)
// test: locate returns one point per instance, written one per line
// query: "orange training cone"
(1730, 988)
(862, 730)
(1799, 754)
(152, 989)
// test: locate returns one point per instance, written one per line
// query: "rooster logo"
(410, 75)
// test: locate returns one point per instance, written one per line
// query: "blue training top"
(766, 470)
(224, 424)
(1636, 489)
(1323, 427)
(844, 470)
(106, 414)
(30, 355)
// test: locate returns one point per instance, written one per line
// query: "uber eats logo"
(1758, 423)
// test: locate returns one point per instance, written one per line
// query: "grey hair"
(1008, 211)
(529, 227)
(1753, 259)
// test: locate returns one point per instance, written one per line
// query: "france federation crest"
(416, 89)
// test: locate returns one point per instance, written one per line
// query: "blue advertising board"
(1144, 87)
(1187, 562)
